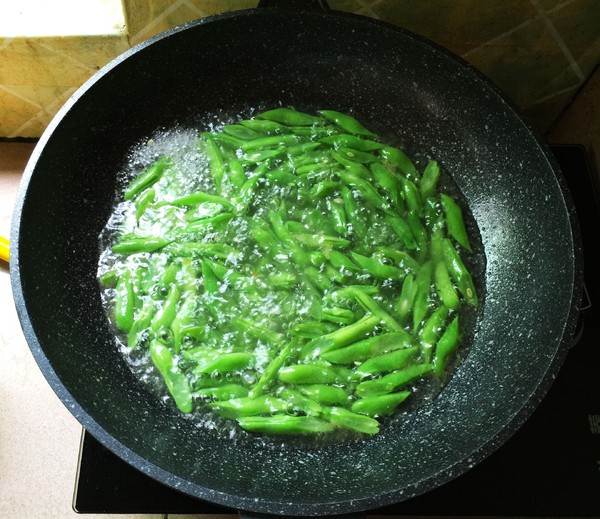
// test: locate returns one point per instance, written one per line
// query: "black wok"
(429, 101)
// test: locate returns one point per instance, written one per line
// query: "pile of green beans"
(309, 279)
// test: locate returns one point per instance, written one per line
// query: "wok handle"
(296, 4)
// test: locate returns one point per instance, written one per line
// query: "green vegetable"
(292, 273)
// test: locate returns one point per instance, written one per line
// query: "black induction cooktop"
(550, 467)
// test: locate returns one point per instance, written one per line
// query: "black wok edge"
(432, 101)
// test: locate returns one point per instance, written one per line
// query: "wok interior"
(429, 103)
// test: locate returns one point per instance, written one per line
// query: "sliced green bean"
(285, 424)
(147, 178)
(381, 405)
(347, 123)
(392, 381)
(290, 117)
(367, 348)
(459, 272)
(455, 221)
(446, 346)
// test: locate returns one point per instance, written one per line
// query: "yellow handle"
(4, 249)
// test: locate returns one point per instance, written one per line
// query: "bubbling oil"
(277, 311)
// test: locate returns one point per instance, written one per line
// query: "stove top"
(550, 467)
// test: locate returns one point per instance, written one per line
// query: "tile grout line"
(21, 97)
(156, 20)
(555, 94)
(502, 35)
(67, 57)
(47, 110)
(559, 40)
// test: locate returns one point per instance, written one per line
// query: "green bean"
(237, 175)
(263, 154)
(311, 329)
(143, 201)
(209, 224)
(367, 348)
(215, 157)
(136, 244)
(397, 158)
(343, 417)
(344, 140)
(412, 196)
(377, 268)
(299, 256)
(430, 178)
(226, 362)
(459, 273)
(404, 304)
(260, 331)
(420, 234)
(340, 261)
(142, 321)
(201, 197)
(272, 368)
(359, 226)
(290, 117)
(364, 187)
(225, 392)
(325, 394)
(392, 381)
(166, 313)
(264, 126)
(402, 230)
(431, 330)
(390, 361)
(381, 405)
(341, 337)
(248, 406)
(421, 299)
(239, 131)
(298, 402)
(446, 345)
(444, 286)
(267, 142)
(309, 373)
(211, 283)
(363, 157)
(174, 379)
(339, 315)
(455, 222)
(324, 188)
(402, 259)
(370, 305)
(124, 301)
(347, 123)
(285, 424)
(147, 178)
(302, 149)
(388, 183)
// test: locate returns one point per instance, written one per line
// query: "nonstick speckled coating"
(430, 102)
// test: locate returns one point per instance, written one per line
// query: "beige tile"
(458, 26)
(578, 24)
(146, 19)
(528, 64)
